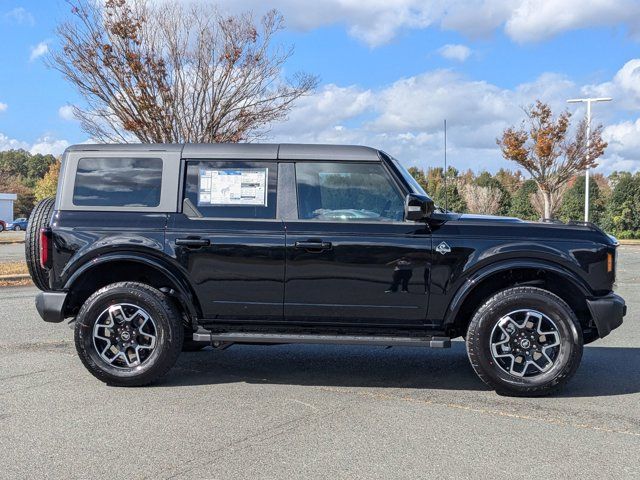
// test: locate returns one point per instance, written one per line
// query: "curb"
(13, 278)
(10, 242)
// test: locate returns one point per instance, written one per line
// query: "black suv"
(154, 249)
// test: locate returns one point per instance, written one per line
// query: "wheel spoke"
(118, 331)
(525, 343)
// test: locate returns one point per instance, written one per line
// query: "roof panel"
(327, 152)
(231, 151)
(240, 151)
(126, 147)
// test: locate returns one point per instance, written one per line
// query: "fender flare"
(478, 276)
(184, 291)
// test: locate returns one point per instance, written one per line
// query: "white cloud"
(624, 139)
(66, 112)
(624, 87)
(535, 20)
(376, 22)
(48, 144)
(455, 52)
(39, 50)
(7, 143)
(3, 106)
(43, 145)
(406, 117)
(20, 16)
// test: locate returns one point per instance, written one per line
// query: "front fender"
(478, 276)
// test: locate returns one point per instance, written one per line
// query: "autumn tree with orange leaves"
(546, 148)
(175, 72)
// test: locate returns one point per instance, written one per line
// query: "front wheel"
(525, 341)
(128, 334)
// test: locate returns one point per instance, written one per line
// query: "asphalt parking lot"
(312, 411)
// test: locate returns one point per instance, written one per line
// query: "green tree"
(521, 206)
(622, 213)
(24, 167)
(572, 207)
(433, 182)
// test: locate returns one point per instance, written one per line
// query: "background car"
(3, 226)
(18, 224)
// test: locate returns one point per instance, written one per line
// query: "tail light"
(45, 248)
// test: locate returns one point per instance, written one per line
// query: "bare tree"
(173, 72)
(547, 152)
(555, 202)
(484, 200)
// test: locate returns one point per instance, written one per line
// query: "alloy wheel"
(125, 335)
(525, 343)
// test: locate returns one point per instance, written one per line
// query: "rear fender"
(181, 286)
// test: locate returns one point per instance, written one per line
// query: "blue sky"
(390, 70)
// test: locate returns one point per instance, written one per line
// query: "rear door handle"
(314, 246)
(193, 242)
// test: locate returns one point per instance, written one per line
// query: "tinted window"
(238, 189)
(118, 182)
(344, 191)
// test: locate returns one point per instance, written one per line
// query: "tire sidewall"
(570, 339)
(88, 316)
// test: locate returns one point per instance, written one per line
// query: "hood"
(488, 218)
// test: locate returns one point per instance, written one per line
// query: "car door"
(229, 241)
(350, 256)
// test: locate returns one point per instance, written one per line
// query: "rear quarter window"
(118, 182)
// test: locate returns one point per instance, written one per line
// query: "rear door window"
(231, 189)
(118, 182)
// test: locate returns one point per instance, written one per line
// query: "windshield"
(415, 186)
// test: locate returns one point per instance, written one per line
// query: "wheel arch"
(130, 266)
(505, 274)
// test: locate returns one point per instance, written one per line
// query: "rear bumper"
(50, 306)
(607, 312)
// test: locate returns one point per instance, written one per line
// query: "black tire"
(1, 227)
(169, 334)
(40, 218)
(540, 383)
(17, 228)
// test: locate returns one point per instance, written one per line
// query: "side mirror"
(418, 207)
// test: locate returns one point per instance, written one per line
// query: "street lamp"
(588, 101)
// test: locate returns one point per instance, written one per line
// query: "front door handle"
(193, 242)
(314, 246)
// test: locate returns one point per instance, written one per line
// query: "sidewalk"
(11, 237)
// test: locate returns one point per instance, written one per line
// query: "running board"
(218, 339)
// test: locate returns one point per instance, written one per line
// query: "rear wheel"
(40, 218)
(128, 334)
(525, 341)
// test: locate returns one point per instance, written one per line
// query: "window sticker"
(239, 186)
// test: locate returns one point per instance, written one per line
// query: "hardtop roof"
(241, 151)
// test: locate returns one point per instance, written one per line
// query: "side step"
(217, 339)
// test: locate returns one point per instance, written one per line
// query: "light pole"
(588, 101)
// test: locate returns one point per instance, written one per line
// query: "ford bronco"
(155, 249)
